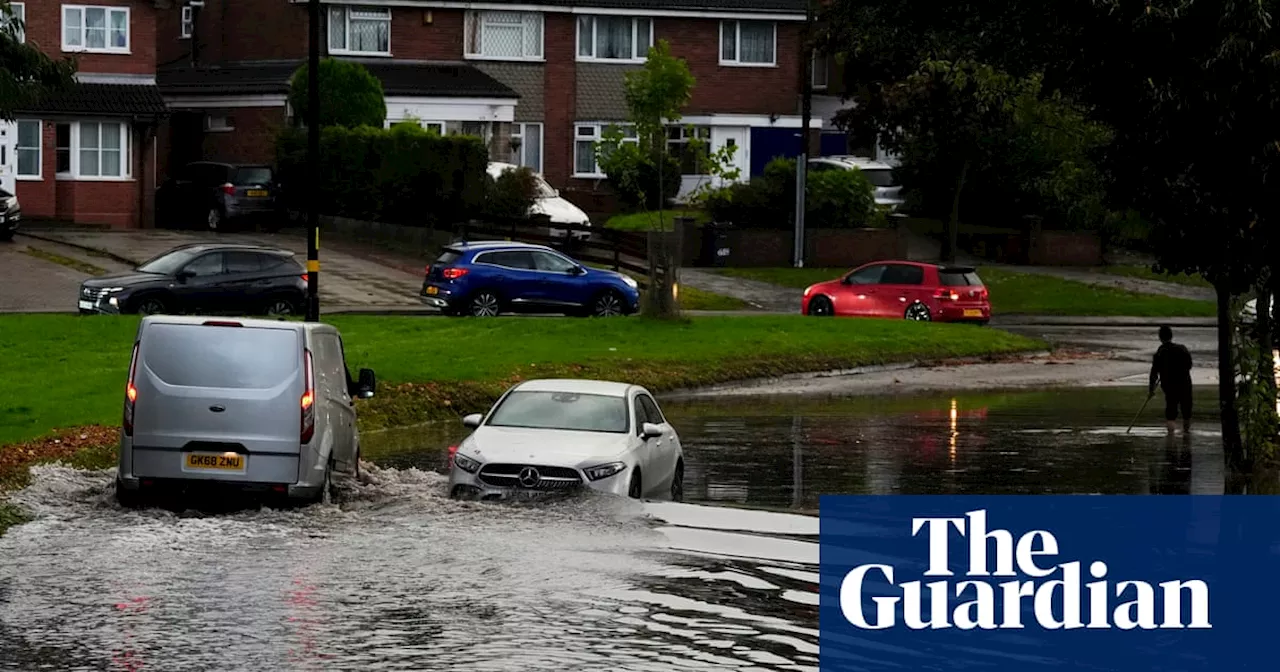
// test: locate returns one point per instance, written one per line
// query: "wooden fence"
(624, 251)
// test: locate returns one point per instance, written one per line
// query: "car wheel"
(608, 304)
(677, 483)
(635, 490)
(6, 236)
(129, 499)
(150, 305)
(281, 308)
(821, 306)
(484, 304)
(213, 220)
(325, 496)
(918, 312)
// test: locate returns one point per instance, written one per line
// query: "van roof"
(252, 323)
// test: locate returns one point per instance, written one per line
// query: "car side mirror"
(650, 431)
(367, 385)
(577, 270)
(184, 276)
(472, 421)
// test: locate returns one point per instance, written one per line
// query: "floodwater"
(396, 576)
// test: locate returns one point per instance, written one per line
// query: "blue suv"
(484, 279)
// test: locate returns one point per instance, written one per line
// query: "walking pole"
(1140, 410)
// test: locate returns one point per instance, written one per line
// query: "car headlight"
(631, 282)
(604, 470)
(467, 464)
(111, 290)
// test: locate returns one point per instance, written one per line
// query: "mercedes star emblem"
(529, 477)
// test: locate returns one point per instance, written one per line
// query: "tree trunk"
(1232, 447)
(952, 240)
(1266, 354)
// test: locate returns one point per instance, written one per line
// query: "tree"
(26, 73)
(349, 95)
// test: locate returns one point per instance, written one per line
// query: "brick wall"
(252, 141)
(413, 38)
(126, 203)
(730, 89)
(560, 44)
(44, 30)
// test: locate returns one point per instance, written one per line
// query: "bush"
(837, 199)
(349, 95)
(511, 195)
(401, 175)
(634, 175)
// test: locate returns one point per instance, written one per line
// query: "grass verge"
(91, 447)
(649, 221)
(1145, 273)
(1015, 293)
(76, 264)
(69, 371)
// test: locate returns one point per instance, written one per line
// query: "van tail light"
(130, 394)
(308, 428)
(453, 450)
(453, 273)
(306, 278)
(945, 294)
(229, 189)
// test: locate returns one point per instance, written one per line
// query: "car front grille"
(548, 478)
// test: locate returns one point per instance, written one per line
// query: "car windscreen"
(256, 175)
(169, 262)
(959, 278)
(447, 257)
(880, 177)
(192, 355)
(562, 410)
(4, 194)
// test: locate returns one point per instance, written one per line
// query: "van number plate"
(216, 461)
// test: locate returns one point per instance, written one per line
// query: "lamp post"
(313, 161)
(806, 110)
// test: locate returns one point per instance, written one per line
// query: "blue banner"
(1049, 582)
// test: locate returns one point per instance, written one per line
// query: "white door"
(735, 136)
(9, 156)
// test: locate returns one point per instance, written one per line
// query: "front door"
(559, 286)
(200, 290)
(738, 137)
(859, 296)
(900, 286)
(9, 156)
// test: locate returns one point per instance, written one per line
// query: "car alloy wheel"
(821, 306)
(918, 312)
(214, 219)
(280, 308)
(151, 307)
(608, 304)
(484, 304)
(635, 490)
(677, 483)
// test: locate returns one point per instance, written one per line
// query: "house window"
(188, 20)
(585, 137)
(360, 30)
(820, 71)
(95, 29)
(504, 35)
(219, 123)
(436, 126)
(16, 21)
(614, 38)
(693, 156)
(28, 148)
(748, 43)
(93, 150)
(526, 146)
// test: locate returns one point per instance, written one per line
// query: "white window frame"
(39, 149)
(187, 22)
(126, 153)
(470, 28)
(437, 126)
(84, 30)
(736, 61)
(595, 133)
(228, 123)
(346, 29)
(527, 129)
(595, 40)
(814, 82)
(19, 12)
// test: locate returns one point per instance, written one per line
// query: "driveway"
(349, 281)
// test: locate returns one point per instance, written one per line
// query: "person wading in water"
(1171, 368)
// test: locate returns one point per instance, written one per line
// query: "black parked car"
(10, 215)
(216, 195)
(203, 279)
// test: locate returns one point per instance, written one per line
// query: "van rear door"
(237, 386)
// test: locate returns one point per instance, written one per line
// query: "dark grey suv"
(213, 196)
(10, 215)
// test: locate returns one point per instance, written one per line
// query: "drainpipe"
(195, 33)
(806, 110)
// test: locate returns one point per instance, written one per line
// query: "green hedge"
(402, 175)
(835, 199)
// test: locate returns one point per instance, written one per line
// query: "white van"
(550, 204)
(262, 405)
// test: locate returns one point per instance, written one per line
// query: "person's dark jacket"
(1172, 367)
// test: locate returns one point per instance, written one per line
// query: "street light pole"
(806, 110)
(313, 161)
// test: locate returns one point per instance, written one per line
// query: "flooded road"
(396, 576)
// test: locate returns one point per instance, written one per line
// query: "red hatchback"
(902, 290)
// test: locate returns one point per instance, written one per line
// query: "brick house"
(88, 154)
(539, 80)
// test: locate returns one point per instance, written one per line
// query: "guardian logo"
(1007, 576)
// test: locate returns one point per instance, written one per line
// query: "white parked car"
(887, 190)
(550, 204)
(545, 436)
